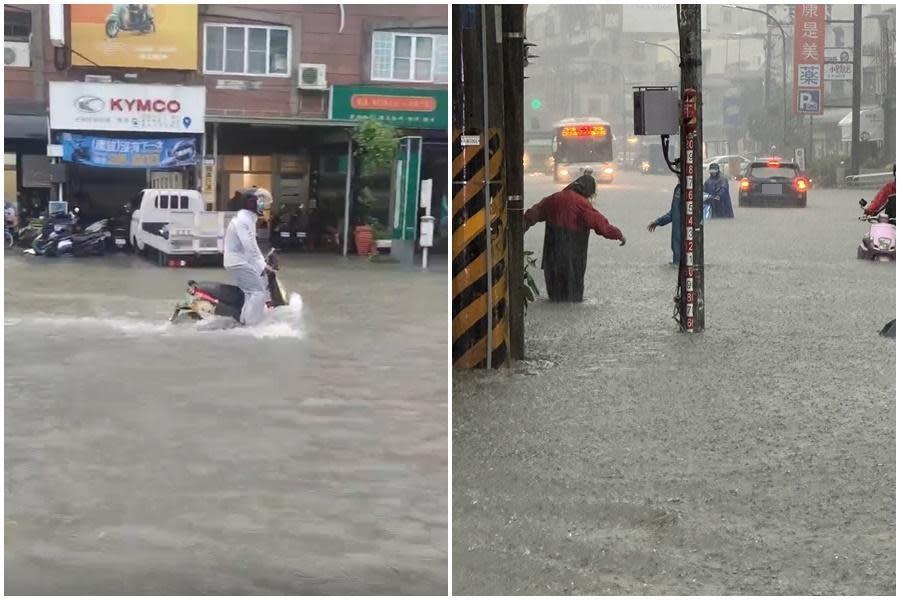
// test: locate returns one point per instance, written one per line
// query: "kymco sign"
(127, 107)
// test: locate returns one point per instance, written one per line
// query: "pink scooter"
(880, 243)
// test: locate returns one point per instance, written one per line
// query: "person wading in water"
(569, 219)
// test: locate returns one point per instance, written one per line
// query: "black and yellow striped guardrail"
(471, 305)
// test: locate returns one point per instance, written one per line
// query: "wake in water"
(282, 322)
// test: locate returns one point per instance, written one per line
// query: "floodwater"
(626, 458)
(306, 456)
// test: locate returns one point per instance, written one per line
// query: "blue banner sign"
(129, 154)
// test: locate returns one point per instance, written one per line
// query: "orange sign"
(393, 103)
(584, 131)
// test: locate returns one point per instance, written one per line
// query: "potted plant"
(375, 147)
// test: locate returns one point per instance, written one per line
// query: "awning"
(871, 125)
(25, 127)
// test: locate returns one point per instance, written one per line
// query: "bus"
(580, 144)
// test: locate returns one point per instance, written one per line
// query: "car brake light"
(745, 184)
(800, 184)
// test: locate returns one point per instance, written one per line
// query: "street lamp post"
(646, 43)
(783, 64)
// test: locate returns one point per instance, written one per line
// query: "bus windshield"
(583, 143)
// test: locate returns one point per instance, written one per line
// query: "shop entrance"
(101, 192)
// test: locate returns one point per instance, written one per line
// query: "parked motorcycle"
(57, 240)
(9, 236)
(119, 226)
(206, 300)
(288, 231)
(129, 17)
(879, 243)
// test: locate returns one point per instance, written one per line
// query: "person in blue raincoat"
(717, 188)
(674, 217)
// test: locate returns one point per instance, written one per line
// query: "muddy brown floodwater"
(626, 458)
(308, 456)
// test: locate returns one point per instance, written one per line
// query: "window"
(164, 202)
(185, 203)
(16, 25)
(246, 50)
(409, 57)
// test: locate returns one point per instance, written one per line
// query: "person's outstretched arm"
(594, 219)
(535, 214)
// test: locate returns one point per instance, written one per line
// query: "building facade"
(242, 95)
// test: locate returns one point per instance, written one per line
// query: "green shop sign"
(400, 107)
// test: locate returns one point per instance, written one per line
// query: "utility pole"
(514, 127)
(857, 88)
(768, 61)
(690, 301)
(480, 301)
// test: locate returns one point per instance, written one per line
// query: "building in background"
(590, 57)
(222, 97)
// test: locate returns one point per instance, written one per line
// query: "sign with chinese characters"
(82, 106)
(129, 154)
(400, 107)
(838, 71)
(809, 59)
(149, 36)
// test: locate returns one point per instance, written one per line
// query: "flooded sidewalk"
(308, 456)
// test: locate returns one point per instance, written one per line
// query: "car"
(773, 182)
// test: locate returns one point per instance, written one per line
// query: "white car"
(177, 226)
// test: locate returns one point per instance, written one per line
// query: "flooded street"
(308, 456)
(626, 458)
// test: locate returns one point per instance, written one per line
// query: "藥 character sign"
(809, 59)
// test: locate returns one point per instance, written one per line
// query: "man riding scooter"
(884, 199)
(244, 260)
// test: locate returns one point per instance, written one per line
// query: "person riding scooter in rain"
(717, 188)
(244, 260)
(884, 199)
(570, 218)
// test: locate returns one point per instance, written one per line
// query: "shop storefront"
(116, 139)
(301, 161)
(26, 172)
(390, 200)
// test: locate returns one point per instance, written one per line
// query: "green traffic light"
(536, 104)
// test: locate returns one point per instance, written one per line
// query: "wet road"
(626, 458)
(306, 457)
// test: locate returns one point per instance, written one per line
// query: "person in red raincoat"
(569, 219)
(884, 199)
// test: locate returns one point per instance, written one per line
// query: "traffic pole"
(857, 88)
(513, 18)
(690, 298)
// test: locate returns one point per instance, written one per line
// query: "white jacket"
(241, 248)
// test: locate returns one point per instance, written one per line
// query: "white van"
(176, 225)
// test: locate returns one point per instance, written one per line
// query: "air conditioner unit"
(311, 77)
(17, 54)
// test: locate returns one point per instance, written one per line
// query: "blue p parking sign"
(809, 102)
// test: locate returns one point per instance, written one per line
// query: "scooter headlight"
(884, 243)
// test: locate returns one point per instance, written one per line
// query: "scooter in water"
(129, 17)
(880, 242)
(206, 300)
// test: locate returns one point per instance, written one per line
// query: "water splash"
(282, 322)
